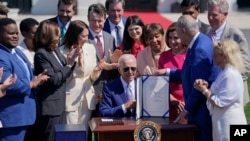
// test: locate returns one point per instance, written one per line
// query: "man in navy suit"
(115, 22)
(65, 11)
(119, 94)
(198, 64)
(17, 106)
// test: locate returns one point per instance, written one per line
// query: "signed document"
(153, 96)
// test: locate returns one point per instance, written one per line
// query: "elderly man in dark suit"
(192, 8)
(221, 29)
(115, 22)
(65, 11)
(119, 94)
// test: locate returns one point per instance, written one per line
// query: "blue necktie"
(129, 92)
(24, 65)
(130, 96)
(118, 36)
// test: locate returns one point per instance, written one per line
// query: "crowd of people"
(67, 71)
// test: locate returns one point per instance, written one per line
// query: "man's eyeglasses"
(129, 68)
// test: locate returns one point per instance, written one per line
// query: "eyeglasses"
(129, 68)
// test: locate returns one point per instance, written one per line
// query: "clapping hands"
(39, 79)
(10, 80)
(72, 55)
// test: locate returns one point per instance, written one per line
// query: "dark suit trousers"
(46, 127)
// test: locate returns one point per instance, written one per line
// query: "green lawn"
(247, 107)
(247, 112)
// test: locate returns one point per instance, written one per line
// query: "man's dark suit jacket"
(198, 65)
(107, 26)
(114, 96)
(54, 19)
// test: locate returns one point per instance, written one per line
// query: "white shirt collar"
(193, 40)
(125, 84)
(60, 23)
(112, 26)
(94, 34)
(219, 31)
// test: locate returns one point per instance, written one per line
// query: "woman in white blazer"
(80, 96)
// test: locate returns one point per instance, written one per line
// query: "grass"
(247, 107)
(247, 112)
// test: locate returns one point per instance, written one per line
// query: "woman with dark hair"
(133, 39)
(147, 59)
(51, 94)
(80, 94)
(174, 58)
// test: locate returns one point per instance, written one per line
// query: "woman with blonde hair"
(225, 96)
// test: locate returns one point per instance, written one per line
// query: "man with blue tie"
(17, 106)
(119, 94)
(115, 22)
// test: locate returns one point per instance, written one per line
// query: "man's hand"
(115, 55)
(10, 80)
(131, 104)
(182, 118)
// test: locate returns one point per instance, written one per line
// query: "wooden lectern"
(125, 131)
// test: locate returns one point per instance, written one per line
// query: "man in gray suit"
(192, 8)
(221, 29)
(104, 42)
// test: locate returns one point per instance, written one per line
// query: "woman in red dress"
(133, 39)
(174, 58)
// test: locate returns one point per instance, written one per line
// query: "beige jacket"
(79, 86)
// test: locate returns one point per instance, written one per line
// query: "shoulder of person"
(106, 34)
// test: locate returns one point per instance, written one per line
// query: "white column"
(164, 6)
(46, 7)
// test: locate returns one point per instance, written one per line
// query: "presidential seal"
(147, 131)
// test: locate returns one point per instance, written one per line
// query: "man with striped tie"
(221, 29)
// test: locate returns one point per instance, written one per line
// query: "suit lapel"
(122, 93)
(107, 26)
(226, 32)
(106, 44)
(60, 57)
(53, 60)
